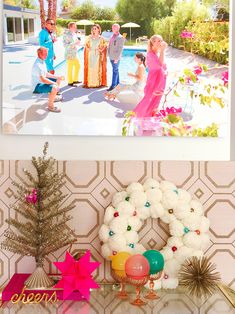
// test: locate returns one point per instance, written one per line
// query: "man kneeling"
(45, 82)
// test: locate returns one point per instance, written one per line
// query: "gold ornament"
(198, 276)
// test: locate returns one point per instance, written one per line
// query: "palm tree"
(42, 13)
(50, 9)
(54, 9)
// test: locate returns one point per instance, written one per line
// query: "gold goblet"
(138, 282)
(120, 276)
(152, 295)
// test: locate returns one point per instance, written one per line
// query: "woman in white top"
(127, 93)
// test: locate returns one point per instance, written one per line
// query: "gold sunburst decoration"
(198, 276)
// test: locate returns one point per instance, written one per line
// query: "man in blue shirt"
(46, 40)
(45, 82)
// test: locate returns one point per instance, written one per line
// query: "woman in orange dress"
(95, 60)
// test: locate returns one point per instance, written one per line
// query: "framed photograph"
(120, 68)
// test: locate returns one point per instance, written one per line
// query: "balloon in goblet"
(152, 295)
(120, 276)
(118, 271)
(137, 270)
(156, 262)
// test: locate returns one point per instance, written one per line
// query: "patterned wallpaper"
(90, 186)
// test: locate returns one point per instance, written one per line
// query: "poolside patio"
(84, 111)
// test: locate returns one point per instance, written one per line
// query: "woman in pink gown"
(156, 80)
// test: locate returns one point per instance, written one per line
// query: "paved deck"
(84, 111)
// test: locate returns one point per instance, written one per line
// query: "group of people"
(147, 90)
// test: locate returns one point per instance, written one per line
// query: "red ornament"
(174, 248)
(116, 214)
(198, 232)
(114, 253)
(135, 213)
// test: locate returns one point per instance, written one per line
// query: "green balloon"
(156, 261)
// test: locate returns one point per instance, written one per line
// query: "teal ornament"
(131, 245)
(111, 233)
(147, 204)
(127, 198)
(176, 191)
(156, 261)
(129, 228)
(186, 230)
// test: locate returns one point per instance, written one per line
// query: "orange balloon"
(119, 260)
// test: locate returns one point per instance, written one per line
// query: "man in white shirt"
(45, 82)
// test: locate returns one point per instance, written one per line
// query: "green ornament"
(127, 198)
(111, 233)
(129, 228)
(186, 230)
(156, 261)
(147, 204)
(131, 245)
(176, 191)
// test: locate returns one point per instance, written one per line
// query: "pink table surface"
(16, 285)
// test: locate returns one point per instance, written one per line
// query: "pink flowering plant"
(225, 77)
(186, 34)
(168, 121)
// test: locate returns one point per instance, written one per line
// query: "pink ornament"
(76, 275)
(137, 266)
(32, 198)
(166, 276)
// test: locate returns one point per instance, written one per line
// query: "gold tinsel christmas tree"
(41, 228)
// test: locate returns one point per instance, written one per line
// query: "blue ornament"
(147, 204)
(111, 233)
(186, 230)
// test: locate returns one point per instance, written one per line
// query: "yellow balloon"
(119, 260)
(120, 273)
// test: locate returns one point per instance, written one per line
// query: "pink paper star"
(76, 275)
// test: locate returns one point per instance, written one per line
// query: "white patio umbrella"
(130, 25)
(85, 22)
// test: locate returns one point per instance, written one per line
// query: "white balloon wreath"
(187, 223)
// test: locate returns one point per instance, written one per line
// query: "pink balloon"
(137, 266)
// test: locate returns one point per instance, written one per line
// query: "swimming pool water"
(127, 64)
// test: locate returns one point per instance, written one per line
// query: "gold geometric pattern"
(90, 185)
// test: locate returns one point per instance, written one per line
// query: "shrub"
(211, 39)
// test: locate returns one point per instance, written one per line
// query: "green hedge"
(211, 39)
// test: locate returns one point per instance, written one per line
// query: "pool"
(127, 64)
